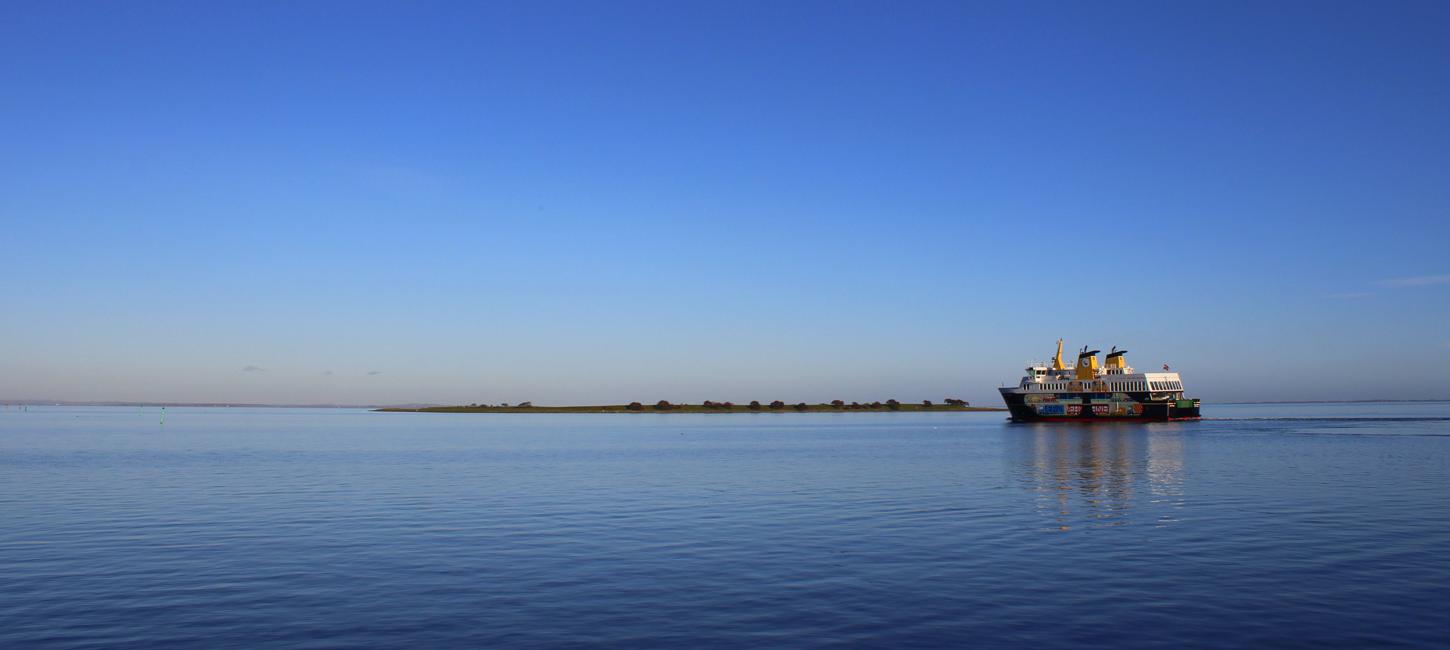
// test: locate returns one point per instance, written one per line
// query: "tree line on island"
(666, 406)
(777, 405)
(753, 405)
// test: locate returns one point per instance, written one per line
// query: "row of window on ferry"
(1124, 385)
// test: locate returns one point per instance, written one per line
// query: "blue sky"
(586, 202)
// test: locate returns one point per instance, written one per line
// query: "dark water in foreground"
(1303, 525)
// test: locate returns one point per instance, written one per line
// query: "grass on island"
(707, 407)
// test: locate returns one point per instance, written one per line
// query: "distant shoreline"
(53, 402)
(435, 408)
(701, 408)
(1345, 401)
(691, 408)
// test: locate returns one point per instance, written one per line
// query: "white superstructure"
(1086, 376)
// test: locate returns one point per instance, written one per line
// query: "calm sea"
(1284, 525)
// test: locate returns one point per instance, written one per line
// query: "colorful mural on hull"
(1048, 405)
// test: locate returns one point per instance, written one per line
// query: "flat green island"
(707, 407)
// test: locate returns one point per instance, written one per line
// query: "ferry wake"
(1087, 392)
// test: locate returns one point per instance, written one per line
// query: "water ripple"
(353, 529)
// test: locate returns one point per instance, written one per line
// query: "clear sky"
(586, 202)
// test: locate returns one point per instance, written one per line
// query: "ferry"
(1085, 392)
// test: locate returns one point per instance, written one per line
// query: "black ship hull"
(1096, 407)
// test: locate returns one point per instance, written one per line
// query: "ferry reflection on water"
(1102, 474)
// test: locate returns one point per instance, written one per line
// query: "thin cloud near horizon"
(253, 369)
(1416, 281)
(1394, 283)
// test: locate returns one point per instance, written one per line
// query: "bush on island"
(754, 405)
(662, 405)
(926, 403)
(893, 405)
(727, 405)
(777, 404)
(801, 406)
(835, 403)
(635, 406)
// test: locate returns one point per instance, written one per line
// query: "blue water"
(1275, 525)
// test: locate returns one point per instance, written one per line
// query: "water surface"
(1284, 525)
